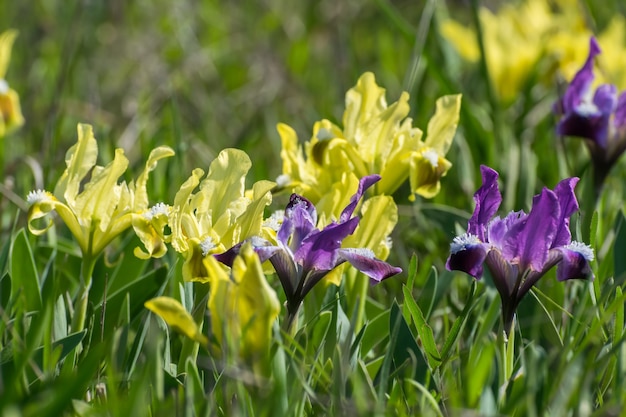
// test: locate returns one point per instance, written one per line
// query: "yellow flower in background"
(376, 139)
(243, 307)
(10, 113)
(219, 214)
(102, 208)
(518, 36)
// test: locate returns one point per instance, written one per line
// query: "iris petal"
(467, 254)
(575, 262)
(364, 261)
(564, 191)
(488, 199)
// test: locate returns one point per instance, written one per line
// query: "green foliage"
(203, 76)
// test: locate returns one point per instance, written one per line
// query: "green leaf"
(402, 348)
(423, 329)
(619, 262)
(139, 291)
(458, 325)
(24, 276)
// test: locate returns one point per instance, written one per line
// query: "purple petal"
(467, 254)
(319, 250)
(528, 242)
(503, 273)
(581, 82)
(582, 118)
(488, 199)
(287, 271)
(364, 261)
(584, 125)
(575, 262)
(365, 183)
(228, 257)
(605, 98)
(619, 120)
(498, 229)
(301, 219)
(564, 191)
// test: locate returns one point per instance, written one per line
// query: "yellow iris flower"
(243, 310)
(520, 35)
(103, 208)
(376, 139)
(10, 113)
(243, 306)
(220, 214)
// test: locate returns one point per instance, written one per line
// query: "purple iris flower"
(520, 248)
(305, 254)
(599, 117)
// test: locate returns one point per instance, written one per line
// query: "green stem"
(506, 350)
(190, 347)
(82, 299)
(292, 315)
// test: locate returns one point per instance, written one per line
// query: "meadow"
(277, 208)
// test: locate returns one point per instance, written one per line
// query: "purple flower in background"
(304, 254)
(520, 248)
(598, 116)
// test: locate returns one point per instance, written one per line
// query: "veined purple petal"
(467, 254)
(301, 217)
(619, 120)
(365, 183)
(504, 274)
(319, 250)
(564, 191)
(498, 229)
(488, 199)
(527, 243)
(287, 270)
(578, 88)
(365, 261)
(575, 262)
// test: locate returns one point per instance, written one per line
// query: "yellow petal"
(424, 176)
(180, 211)
(246, 305)
(101, 194)
(80, 158)
(175, 315)
(10, 112)
(225, 183)
(462, 38)
(442, 126)
(42, 203)
(141, 194)
(6, 44)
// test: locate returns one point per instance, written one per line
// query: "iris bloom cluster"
(217, 215)
(520, 248)
(519, 35)
(303, 253)
(102, 208)
(598, 116)
(376, 138)
(10, 113)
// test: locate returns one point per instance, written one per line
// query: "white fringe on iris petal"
(460, 243)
